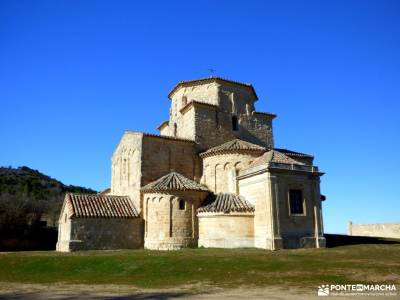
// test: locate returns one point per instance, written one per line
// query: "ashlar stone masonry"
(211, 178)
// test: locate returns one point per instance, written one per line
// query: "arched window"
(235, 125)
(182, 205)
(175, 129)
(184, 101)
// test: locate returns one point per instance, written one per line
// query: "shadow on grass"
(66, 296)
(336, 240)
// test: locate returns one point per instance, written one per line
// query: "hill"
(29, 201)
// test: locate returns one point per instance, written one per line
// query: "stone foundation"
(170, 244)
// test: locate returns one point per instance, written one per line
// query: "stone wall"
(187, 127)
(375, 230)
(168, 226)
(204, 113)
(161, 155)
(226, 230)
(182, 124)
(142, 158)
(211, 129)
(165, 130)
(235, 99)
(100, 234)
(275, 227)
(297, 231)
(64, 232)
(257, 128)
(126, 167)
(229, 97)
(219, 171)
(206, 93)
(214, 127)
(255, 189)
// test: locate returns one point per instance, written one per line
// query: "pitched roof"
(166, 137)
(104, 192)
(211, 79)
(198, 104)
(265, 114)
(274, 157)
(293, 153)
(235, 145)
(163, 124)
(174, 182)
(98, 206)
(226, 203)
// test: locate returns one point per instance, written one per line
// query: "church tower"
(213, 110)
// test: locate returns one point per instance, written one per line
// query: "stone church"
(211, 178)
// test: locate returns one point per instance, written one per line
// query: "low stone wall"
(375, 230)
(226, 230)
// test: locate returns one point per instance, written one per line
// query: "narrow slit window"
(182, 205)
(235, 125)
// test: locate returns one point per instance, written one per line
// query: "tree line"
(30, 203)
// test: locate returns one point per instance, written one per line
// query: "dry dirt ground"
(14, 291)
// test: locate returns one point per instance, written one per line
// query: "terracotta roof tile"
(226, 203)
(235, 145)
(293, 153)
(174, 182)
(274, 157)
(100, 206)
(211, 79)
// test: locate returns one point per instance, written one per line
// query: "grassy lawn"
(219, 267)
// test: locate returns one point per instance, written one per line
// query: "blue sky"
(75, 74)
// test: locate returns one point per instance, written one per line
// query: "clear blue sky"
(75, 74)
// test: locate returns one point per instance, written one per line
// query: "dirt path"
(14, 291)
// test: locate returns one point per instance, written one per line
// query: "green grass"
(219, 267)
